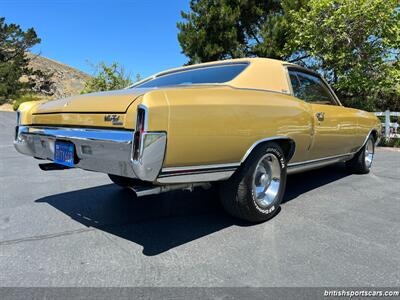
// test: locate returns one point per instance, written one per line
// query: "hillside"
(67, 80)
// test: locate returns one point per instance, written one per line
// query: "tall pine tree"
(220, 29)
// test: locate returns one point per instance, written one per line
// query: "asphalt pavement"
(75, 228)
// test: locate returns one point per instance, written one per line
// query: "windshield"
(200, 75)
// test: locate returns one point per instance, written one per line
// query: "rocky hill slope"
(68, 81)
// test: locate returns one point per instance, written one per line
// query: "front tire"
(255, 191)
(362, 161)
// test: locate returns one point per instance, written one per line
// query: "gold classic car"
(244, 123)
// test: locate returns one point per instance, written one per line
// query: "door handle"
(320, 116)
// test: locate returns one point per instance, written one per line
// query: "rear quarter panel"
(218, 125)
(158, 110)
(366, 122)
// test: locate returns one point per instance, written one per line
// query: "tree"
(220, 29)
(14, 42)
(112, 77)
(353, 43)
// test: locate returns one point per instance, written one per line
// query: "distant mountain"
(68, 81)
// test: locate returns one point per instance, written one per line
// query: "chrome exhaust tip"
(141, 191)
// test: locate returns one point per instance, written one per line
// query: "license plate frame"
(64, 153)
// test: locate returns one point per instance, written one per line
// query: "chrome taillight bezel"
(140, 129)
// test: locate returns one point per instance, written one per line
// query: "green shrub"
(390, 143)
(107, 78)
(25, 98)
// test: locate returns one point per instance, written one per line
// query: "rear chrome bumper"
(106, 151)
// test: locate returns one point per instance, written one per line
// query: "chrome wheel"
(369, 153)
(266, 180)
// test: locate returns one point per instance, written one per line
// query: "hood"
(112, 101)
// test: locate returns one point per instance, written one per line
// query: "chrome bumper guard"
(106, 151)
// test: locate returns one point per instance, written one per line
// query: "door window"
(310, 88)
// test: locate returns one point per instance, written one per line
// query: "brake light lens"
(140, 128)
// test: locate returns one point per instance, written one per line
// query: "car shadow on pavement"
(161, 222)
(158, 223)
(298, 184)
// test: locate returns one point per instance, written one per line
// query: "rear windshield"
(200, 75)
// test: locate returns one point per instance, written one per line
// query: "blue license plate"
(64, 153)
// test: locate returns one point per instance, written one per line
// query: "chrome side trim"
(203, 173)
(223, 172)
(270, 139)
(197, 177)
(317, 163)
(202, 167)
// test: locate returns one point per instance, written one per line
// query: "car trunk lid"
(102, 102)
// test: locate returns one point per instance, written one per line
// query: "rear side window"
(310, 88)
(203, 75)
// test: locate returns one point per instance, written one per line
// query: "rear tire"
(362, 161)
(124, 181)
(255, 190)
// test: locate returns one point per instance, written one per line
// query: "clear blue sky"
(141, 35)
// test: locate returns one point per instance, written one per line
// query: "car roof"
(226, 62)
(261, 73)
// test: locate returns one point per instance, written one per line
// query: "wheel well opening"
(287, 145)
(374, 133)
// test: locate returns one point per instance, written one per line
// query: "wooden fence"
(389, 129)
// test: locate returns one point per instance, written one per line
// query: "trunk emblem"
(112, 118)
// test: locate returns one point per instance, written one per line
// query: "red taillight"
(140, 120)
(140, 128)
